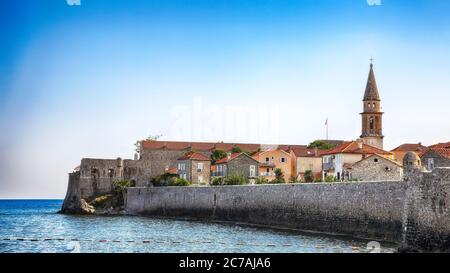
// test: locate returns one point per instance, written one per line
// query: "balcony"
(267, 174)
(328, 166)
(267, 164)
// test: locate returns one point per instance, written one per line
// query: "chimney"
(316, 151)
(360, 143)
(228, 155)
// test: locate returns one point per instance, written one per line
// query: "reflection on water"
(34, 226)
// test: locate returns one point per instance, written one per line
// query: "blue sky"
(89, 80)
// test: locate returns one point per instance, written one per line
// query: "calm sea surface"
(34, 226)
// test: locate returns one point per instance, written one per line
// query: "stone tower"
(372, 130)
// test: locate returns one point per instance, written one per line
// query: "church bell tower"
(372, 130)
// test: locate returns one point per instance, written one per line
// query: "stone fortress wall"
(414, 213)
(370, 209)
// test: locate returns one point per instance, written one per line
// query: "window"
(111, 173)
(181, 166)
(282, 160)
(375, 160)
(252, 170)
(430, 164)
(200, 179)
(267, 159)
(371, 123)
(199, 167)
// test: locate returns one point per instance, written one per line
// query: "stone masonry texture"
(370, 209)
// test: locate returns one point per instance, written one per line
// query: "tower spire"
(371, 92)
(372, 128)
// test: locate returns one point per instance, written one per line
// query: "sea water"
(35, 226)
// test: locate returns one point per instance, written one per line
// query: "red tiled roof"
(194, 156)
(226, 159)
(172, 170)
(305, 152)
(231, 157)
(407, 147)
(445, 145)
(444, 152)
(352, 147)
(206, 146)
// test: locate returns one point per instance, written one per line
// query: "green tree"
(321, 145)
(309, 177)
(217, 155)
(279, 176)
(236, 149)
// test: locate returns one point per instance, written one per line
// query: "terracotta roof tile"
(444, 152)
(352, 147)
(206, 146)
(445, 145)
(305, 152)
(172, 170)
(226, 159)
(194, 156)
(407, 147)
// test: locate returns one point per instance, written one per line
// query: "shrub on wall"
(261, 181)
(119, 190)
(278, 181)
(279, 177)
(234, 179)
(330, 178)
(179, 182)
(102, 201)
(309, 177)
(292, 179)
(164, 179)
(217, 181)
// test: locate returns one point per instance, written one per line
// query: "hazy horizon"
(89, 80)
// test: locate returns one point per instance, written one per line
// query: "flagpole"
(326, 123)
